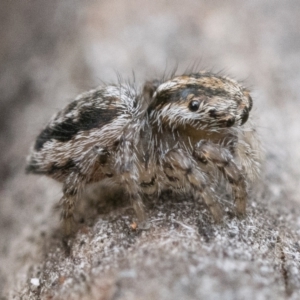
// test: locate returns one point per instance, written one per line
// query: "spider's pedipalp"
(208, 152)
(183, 173)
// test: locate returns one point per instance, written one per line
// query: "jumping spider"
(176, 134)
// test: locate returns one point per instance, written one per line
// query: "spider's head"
(203, 101)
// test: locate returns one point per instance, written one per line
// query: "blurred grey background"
(52, 50)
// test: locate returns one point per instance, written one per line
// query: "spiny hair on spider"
(175, 133)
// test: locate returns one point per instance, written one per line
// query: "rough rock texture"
(52, 50)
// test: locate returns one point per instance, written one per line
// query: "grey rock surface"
(52, 50)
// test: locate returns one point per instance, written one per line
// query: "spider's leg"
(181, 170)
(208, 152)
(248, 152)
(212, 205)
(71, 190)
(67, 213)
(126, 167)
(93, 167)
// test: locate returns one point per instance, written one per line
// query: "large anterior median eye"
(250, 102)
(194, 105)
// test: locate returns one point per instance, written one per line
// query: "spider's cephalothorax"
(202, 100)
(176, 134)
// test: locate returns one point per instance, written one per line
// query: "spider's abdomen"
(66, 144)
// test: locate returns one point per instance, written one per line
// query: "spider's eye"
(250, 102)
(194, 105)
(245, 115)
